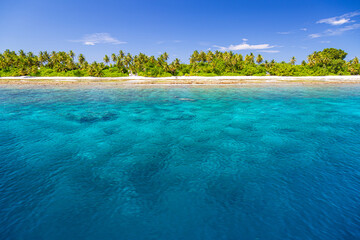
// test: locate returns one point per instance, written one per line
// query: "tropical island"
(329, 61)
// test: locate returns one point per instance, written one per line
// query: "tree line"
(329, 61)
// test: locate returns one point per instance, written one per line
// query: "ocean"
(180, 162)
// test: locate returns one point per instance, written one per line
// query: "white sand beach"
(191, 80)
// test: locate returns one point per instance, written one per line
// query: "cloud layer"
(334, 32)
(340, 20)
(337, 22)
(244, 46)
(98, 38)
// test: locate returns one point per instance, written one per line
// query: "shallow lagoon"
(180, 163)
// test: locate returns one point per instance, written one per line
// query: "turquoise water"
(180, 163)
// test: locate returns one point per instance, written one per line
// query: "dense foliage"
(330, 61)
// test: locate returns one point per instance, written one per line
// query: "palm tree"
(41, 58)
(174, 66)
(95, 69)
(252, 57)
(165, 56)
(311, 60)
(128, 59)
(259, 59)
(233, 62)
(249, 58)
(239, 58)
(21, 53)
(209, 56)
(106, 59)
(218, 54)
(194, 57)
(71, 54)
(161, 61)
(53, 58)
(293, 61)
(30, 55)
(177, 62)
(355, 61)
(152, 59)
(114, 57)
(81, 60)
(121, 55)
(202, 56)
(2, 61)
(46, 57)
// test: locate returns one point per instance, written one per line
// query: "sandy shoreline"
(134, 81)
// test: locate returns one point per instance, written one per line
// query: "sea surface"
(180, 163)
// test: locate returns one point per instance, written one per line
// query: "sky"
(277, 29)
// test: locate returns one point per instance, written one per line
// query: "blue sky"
(278, 29)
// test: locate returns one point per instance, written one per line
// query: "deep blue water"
(181, 163)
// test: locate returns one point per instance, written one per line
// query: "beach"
(181, 80)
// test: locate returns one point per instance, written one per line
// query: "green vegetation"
(330, 61)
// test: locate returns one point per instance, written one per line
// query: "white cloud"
(340, 20)
(334, 32)
(292, 31)
(324, 41)
(98, 38)
(244, 46)
(315, 35)
(333, 21)
(177, 41)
